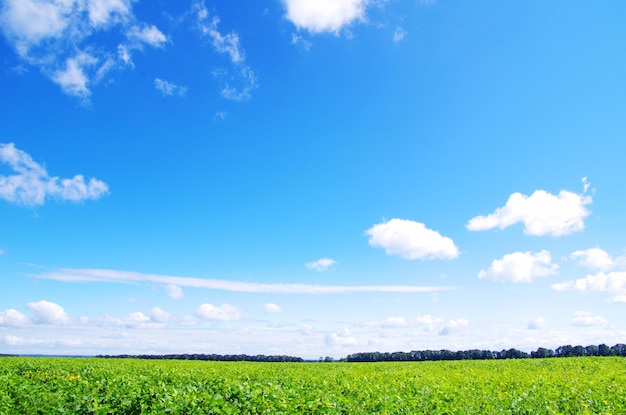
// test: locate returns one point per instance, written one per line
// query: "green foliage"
(587, 385)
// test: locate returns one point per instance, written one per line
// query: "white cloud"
(298, 40)
(520, 267)
(103, 12)
(136, 319)
(12, 318)
(225, 312)
(619, 299)
(390, 322)
(246, 82)
(272, 308)
(342, 339)
(411, 240)
(585, 319)
(322, 264)
(237, 85)
(454, 326)
(47, 312)
(612, 282)
(542, 213)
(32, 184)
(228, 43)
(158, 315)
(2, 252)
(319, 16)
(429, 321)
(220, 116)
(169, 88)
(123, 54)
(174, 292)
(306, 329)
(150, 35)
(537, 323)
(103, 275)
(28, 22)
(594, 258)
(399, 34)
(20, 341)
(55, 35)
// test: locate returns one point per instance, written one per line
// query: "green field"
(588, 385)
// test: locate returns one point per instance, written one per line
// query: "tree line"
(210, 357)
(475, 354)
(413, 356)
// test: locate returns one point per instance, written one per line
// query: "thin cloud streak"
(123, 277)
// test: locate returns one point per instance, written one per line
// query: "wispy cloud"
(542, 213)
(238, 83)
(322, 264)
(399, 34)
(31, 183)
(272, 308)
(58, 37)
(113, 276)
(169, 89)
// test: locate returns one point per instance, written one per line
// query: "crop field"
(587, 385)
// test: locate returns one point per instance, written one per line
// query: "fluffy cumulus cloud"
(272, 308)
(586, 319)
(31, 183)
(613, 283)
(319, 16)
(595, 258)
(322, 264)
(411, 240)
(225, 312)
(12, 318)
(55, 35)
(47, 312)
(542, 213)
(520, 267)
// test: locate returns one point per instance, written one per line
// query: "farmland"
(587, 385)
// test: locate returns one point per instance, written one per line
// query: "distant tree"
(592, 350)
(604, 350)
(542, 353)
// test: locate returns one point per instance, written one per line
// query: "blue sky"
(311, 177)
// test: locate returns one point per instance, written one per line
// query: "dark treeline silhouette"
(210, 357)
(475, 354)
